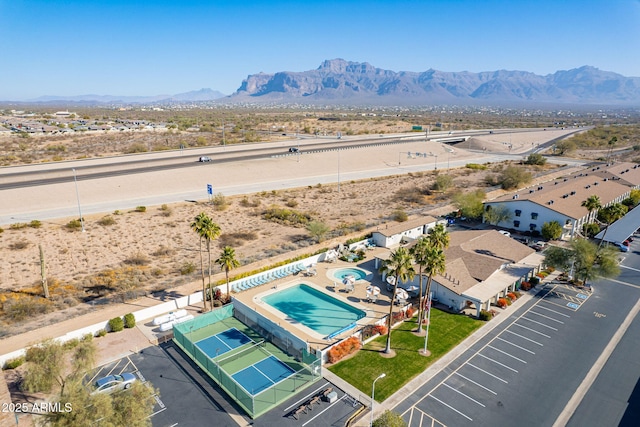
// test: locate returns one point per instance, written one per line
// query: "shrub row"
(345, 348)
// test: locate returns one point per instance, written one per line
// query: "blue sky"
(135, 47)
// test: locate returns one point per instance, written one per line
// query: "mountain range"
(340, 81)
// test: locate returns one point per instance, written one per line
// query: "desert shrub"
(101, 333)
(220, 202)
(485, 315)
(18, 225)
(287, 216)
(534, 281)
(517, 294)
(117, 212)
(513, 177)
(35, 224)
(129, 320)
(137, 259)
(399, 215)
(13, 363)
(246, 203)
(116, 324)
(74, 224)
(344, 348)
(442, 183)
(136, 148)
(475, 166)
(187, 268)
(163, 251)
(502, 302)
(165, 210)
(107, 220)
(141, 208)
(20, 244)
(25, 307)
(291, 203)
(1, 230)
(409, 195)
(536, 159)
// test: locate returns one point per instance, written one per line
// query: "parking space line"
(488, 373)
(450, 407)
(507, 354)
(462, 394)
(547, 317)
(524, 338)
(478, 384)
(515, 345)
(498, 363)
(553, 311)
(563, 306)
(540, 323)
(532, 330)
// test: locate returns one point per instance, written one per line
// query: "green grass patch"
(446, 331)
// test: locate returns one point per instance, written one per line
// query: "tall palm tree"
(399, 266)
(418, 252)
(210, 231)
(198, 225)
(227, 262)
(611, 214)
(436, 264)
(592, 203)
(439, 236)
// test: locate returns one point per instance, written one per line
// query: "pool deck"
(323, 281)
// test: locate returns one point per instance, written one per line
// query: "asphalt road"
(527, 369)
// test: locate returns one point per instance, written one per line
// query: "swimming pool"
(358, 273)
(314, 309)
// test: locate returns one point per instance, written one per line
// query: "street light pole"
(373, 393)
(435, 163)
(338, 171)
(75, 180)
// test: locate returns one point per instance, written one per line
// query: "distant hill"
(343, 82)
(195, 96)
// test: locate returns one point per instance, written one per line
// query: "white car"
(505, 233)
(203, 159)
(113, 383)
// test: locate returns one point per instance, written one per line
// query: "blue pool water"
(314, 309)
(355, 272)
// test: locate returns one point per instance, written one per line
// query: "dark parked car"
(294, 149)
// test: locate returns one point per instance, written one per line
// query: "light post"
(373, 393)
(338, 171)
(75, 180)
(435, 163)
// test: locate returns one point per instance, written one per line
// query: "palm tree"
(439, 236)
(399, 266)
(609, 215)
(592, 204)
(197, 225)
(436, 264)
(418, 251)
(227, 262)
(210, 231)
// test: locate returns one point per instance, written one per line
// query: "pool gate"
(282, 344)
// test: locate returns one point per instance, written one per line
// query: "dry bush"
(166, 211)
(106, 220)
(236, 239)
(137, 259)
(19, 245)
(411, 195)
(163, 251)
(246, 203)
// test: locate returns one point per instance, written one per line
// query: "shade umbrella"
(401, 294)
(373, 290)
(349, 280)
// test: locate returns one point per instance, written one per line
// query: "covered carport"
(620, 230)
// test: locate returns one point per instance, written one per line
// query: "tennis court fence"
(305, 367)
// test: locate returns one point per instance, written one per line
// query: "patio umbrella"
(391, 280)
(373, 290)
(349, 279)
(401, 294)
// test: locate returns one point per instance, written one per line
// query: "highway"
(48, 190)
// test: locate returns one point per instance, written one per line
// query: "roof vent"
(595, 183)
(540, 188)
(588, 186)
(564, 196)
(565, 180)
(555, 183)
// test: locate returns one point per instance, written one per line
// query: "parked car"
(622, 247)
(204, 159)
(294, 149)
(505, 233)
(113, 383)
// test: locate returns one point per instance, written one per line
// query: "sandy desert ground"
(157, 249)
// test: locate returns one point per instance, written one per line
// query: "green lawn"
(446, 331)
